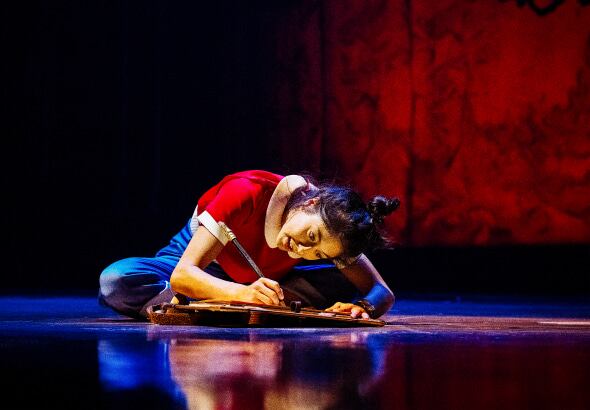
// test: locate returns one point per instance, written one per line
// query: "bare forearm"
(371, 285)
(194, 282)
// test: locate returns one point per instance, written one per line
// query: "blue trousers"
(130, 285)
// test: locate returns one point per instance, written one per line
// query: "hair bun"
(379, 207)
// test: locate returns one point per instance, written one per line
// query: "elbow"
(382, 297)
(179, 280)
(390, 299)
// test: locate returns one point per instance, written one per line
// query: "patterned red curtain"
(477, 114)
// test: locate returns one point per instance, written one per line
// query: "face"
(304, 235)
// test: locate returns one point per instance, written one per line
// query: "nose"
(301, 248)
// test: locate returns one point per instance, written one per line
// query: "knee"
(112, 281)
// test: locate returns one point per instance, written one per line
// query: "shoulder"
(257, 176)
(276, 206)
(290, 183)
(285, 188)
(252, 182)
(240, 192)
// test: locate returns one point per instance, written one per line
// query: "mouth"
(287, 244)
(292, 245)
(284, 244)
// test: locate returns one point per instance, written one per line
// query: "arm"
(369, 282)
(189, 278)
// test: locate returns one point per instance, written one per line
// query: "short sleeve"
(231, 202)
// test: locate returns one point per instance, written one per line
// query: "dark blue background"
(118, 115)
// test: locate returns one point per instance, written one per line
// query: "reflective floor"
(480, 353)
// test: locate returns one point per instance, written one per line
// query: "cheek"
(334, 247)
(293, 255)
(337, 251)
(293, 226)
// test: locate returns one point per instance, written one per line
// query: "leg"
(317, 284)
(130, 285)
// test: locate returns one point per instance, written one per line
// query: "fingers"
(358, 311)
(274, 285)
(268, 291)
(354, 310)
(335, 307)
(341, 307)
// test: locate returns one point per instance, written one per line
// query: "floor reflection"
(270, 374)
(135, 373)
(215, 373)
(67, 353)
(243, 369)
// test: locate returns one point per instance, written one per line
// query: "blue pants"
(130, 285)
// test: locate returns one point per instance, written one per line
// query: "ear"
(311, 202)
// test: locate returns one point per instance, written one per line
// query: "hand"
(264, 290)
(354, 310)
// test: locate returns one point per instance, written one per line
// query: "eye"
(311, 236)
(318, 255)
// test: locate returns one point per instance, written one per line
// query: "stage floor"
(441, 353)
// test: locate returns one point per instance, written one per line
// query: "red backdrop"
(477, 114)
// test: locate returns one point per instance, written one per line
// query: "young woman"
(307, 240)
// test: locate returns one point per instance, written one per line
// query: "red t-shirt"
(240, 201)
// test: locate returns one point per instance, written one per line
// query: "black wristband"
(368, 306)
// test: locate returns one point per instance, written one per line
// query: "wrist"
(233, 290)
(367, 306)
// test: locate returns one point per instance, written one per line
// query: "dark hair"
(346, 215)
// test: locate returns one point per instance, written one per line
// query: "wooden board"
(238, 314)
